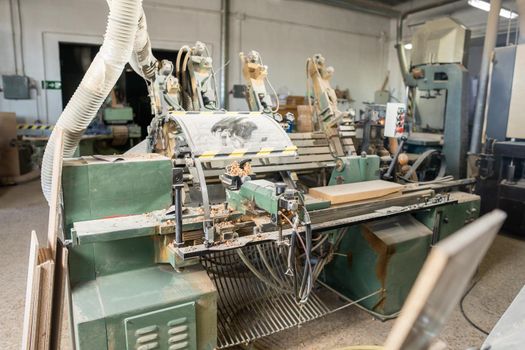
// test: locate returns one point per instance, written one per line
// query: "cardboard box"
(9, 162)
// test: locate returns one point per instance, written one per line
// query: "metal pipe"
(399, 34)
(521, 19)
(225, 51)
(177, 184)
(491, 34)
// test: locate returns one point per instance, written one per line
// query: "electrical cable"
(21, 38)
(215, 79)
(271, 87)
(306, 284)
(463, 310)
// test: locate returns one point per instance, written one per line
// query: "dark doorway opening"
(75, 60)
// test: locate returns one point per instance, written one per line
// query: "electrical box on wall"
(16, 87)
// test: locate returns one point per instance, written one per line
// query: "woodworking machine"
(150, 267)
(208, 235)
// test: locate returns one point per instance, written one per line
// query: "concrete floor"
(22, 209)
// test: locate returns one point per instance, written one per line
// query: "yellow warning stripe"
(34, 127)
(238, 152)
(290, 150)
(208, 155)
(265, 151)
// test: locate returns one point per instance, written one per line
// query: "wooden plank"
(306, 135)
(314, 150)
(347, 133)
(346, 127)
(54, 201)
(29, 329)
(347, 141)
(59, 295)
(311, 142)
(40, 294)
(47, 270)
(358, 191)
(441, 283)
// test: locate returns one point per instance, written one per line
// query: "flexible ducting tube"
(115, 52)
(142, 60)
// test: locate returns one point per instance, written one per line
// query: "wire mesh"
(256, 299)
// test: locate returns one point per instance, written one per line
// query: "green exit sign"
(51, 85)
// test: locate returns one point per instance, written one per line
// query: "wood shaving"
(235, 170)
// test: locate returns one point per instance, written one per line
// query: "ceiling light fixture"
(408, 46)
(485, 6)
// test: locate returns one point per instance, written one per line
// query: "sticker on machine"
(395, 119)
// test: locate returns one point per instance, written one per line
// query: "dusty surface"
(22, 209)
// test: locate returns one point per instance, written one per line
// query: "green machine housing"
(388, 254)
(121, 297)
(352, 169)
(261, 193)
(126, 295)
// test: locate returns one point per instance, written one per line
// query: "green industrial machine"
(438, 90)
(139, 279)
(120, 115)
(205, 236)
(352, 169)
(122, 298)
(388, 254)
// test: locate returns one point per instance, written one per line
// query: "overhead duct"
(403, 64)
(125, 35)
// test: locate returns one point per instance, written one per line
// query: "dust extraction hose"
(122, 32)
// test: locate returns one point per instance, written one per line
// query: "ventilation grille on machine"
(172, 328)
(254, 304)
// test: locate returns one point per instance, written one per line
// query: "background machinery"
(501, 166)
(437, 84)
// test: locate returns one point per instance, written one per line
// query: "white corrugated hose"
(120, 40)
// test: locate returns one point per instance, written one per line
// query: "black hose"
(307, 261)
(463, 310)
(291, 261)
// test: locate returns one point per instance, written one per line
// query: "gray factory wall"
(285, 32)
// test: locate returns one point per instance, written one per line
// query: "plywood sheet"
(441, 283)
(356, 191)
(33, 281)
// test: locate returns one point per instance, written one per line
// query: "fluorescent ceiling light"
(408, 46)
(485, 6)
